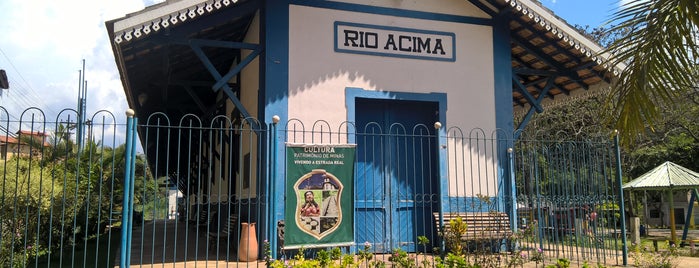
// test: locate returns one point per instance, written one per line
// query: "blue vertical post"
(272, 181)
(131, 173)
(688, 218)
(625, 249)
(512, 202)
(128, 199)
(513, 189)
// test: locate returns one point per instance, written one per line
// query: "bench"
(481, 226)
(690, 241)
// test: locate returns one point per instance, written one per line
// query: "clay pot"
(248, 247)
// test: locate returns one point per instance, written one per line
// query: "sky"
(43, 45)
(584, 12)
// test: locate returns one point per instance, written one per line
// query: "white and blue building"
(474, 64)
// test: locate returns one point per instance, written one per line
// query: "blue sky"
(43, 45)
(583, 12)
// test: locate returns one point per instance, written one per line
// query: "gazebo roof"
(666, 176)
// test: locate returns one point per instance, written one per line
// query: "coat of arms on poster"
(394, 41)
(319, 195)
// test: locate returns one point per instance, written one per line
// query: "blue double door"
(397, 181)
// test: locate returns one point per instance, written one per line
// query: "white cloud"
(624, 2)
(43, 45)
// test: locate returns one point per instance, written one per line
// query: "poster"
(319, 195)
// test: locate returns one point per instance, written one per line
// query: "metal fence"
(568, 193)
(200, 190)
(60, 198)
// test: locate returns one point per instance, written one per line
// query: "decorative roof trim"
(162, 17)
(565, 32)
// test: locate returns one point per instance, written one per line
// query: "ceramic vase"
(247, 248)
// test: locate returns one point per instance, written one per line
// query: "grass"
(685, 251)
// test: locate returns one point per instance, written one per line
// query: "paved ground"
(687, 262)
(682, 262)
(163, 243)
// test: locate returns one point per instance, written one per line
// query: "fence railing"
(59, 205)
(202, 191)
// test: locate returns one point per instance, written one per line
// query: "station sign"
(394, 41)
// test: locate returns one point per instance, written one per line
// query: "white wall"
(318, 76)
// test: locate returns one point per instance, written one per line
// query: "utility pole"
(4, 83)
(82, 105)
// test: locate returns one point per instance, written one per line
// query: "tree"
(61, 197)
(675, 135)
(660, 53)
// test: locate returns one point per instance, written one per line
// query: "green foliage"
(59, 197)
(267, 252)
(378, 264)
(673, 135)
(323, 258)
(660, 62)
(277, 264)
(588, 265)
(645, 258)
(452, 261)
(335, 254)
(298, 261)
(538, 257)
(561, 263)
(424, 241)
(347, 261)
(26, 192)
(365, 255)
(401, 259)
(452, 235)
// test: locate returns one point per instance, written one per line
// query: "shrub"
(452, 236)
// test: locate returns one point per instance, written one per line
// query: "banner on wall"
(319, 195)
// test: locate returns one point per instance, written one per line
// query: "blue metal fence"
(59, 206)
(186, 191)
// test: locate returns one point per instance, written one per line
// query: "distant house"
(657, 209)
(18, 145)
(8, 146)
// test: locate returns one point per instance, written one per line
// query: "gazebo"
(669, 177)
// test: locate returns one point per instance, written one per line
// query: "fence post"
(126, 210)
(512, 201)
(273, 233)
(132, 175)
(625, 249)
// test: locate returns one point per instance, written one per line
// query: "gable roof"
(157, 51)
(544, 48)
(32, 133)
(8, 140)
